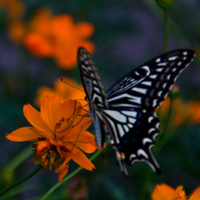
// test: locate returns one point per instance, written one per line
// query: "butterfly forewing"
(95, 95)
(126, 111)
(157, 77)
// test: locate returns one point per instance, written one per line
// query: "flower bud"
(175, 92)
(165, 4)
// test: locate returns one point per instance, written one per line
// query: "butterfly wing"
(126, 111)
(148, 85)
(132, 134)
(131, 119)
(95, 95)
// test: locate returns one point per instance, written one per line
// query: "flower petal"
(41, 145)
(179, 193)
(162, 192)
(63, 168)
(84, 29)
(49, 110)
(67, 109)
(34, 118)
(82, 160)
(85, 141)
(24, 134)
(195, 195)
(38, 45)
(87, 148)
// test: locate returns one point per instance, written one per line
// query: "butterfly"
(126, 111)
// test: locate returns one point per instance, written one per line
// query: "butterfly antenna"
(71, 85)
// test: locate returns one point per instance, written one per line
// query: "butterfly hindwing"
(132, 133)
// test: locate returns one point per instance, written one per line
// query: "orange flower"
(14, 8)
(179, 111)
(62, 90)
(16, 31)
(165, 192)
(60, 132)
(194, 111)
(15, 11)
(182, 112)
(59, 37)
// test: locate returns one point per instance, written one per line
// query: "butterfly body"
(125, 112)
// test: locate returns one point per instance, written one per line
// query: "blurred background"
(121, 35)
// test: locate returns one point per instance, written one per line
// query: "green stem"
(173, 25)
(166, 30)
(2, 192)
(145, 188)
(71, 175)
(15, 162)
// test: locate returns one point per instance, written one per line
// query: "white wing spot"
(84, 56)
(174, 69)
(97, 89)
(148, 83)
(153, 76)
(164, 85)
(132, 156)
(168, 77)
(147, 69)
(158, 60)
(155, 102)
(95, 82)
(92, 75)
(150, 119)
(157, 125)
(89, 68)
(162, 64)
(172, 58)
(98, 97)
(131, 98)
(179, 63)
(126, 128)
(137, 73)
(121, 131)
(130, 125)
(136, 100)
(185, 53)
(130, 113)
(87, 63)
(116, 115)
(111, 141)
(151, 130)
(132, 120)
(140, 90)
(143, 153)
(159, 69)
(146, 140)
(159, 93)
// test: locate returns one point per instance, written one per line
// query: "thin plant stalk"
(166, 30)
(71, 175)
(2, 192)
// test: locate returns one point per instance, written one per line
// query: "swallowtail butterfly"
(126, 111)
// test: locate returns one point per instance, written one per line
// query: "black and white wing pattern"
(95, 95)
(126, 111)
